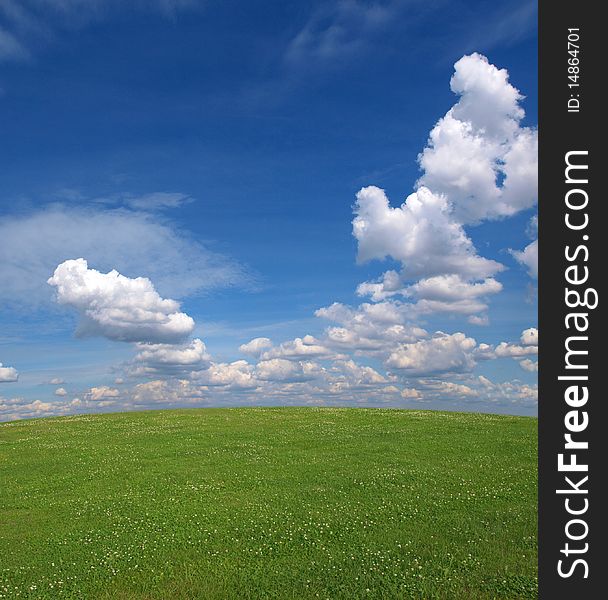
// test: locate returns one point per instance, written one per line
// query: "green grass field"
(269, 503)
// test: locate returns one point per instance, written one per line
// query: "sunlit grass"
(269, 503)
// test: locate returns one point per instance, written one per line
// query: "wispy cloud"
(24, 25)
(136, 243)
(10, 47)
(501, 24)
(336, 31)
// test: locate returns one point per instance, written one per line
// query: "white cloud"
(529, 337)
(512, 392)
(56, 381)
(478, 155)
(478, 390)
(443, 353)
(451, 288)
(237, 375)
(20, 408)
(432, 247)
(369, 328)
(119, 308)
(358, 375)
(529, 365)
(420, 233)
(451, 389)
(256, 346)
(479, 164)
(298, 349)
(505, 349)
(102, 392)
(8, 374)
(280, 369)
(410, 394)
(61, 392)
(528, 257)
(166, 392)
(452, 294)
(32, 245)
(171, 358)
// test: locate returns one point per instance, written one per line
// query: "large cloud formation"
(479, 155)
(479, 164)
(117, 307)
(421, 234)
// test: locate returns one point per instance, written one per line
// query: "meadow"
(255, 503)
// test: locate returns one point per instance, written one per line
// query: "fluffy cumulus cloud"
(299, 348)
(411, 394)
(479, 156)
(357, 375)
(442, 353)
(170, 359)
(504, 349)
(237, 375)
(529, 365)
(370, 328)
(8, 374)
(421, 233)
(452, 294)
(280, 369)
(117, 307)
(529, 337)
(528, 346)
(166, 392)
(438, 258)
(479, 164)
(256, 346)
(452, 389)
(102, 392)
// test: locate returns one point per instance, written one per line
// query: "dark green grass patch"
(291, 503)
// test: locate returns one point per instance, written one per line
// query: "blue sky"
(217, 149)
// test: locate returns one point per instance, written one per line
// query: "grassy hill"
(269, 503)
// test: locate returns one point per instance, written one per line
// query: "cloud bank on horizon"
(479, 166)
